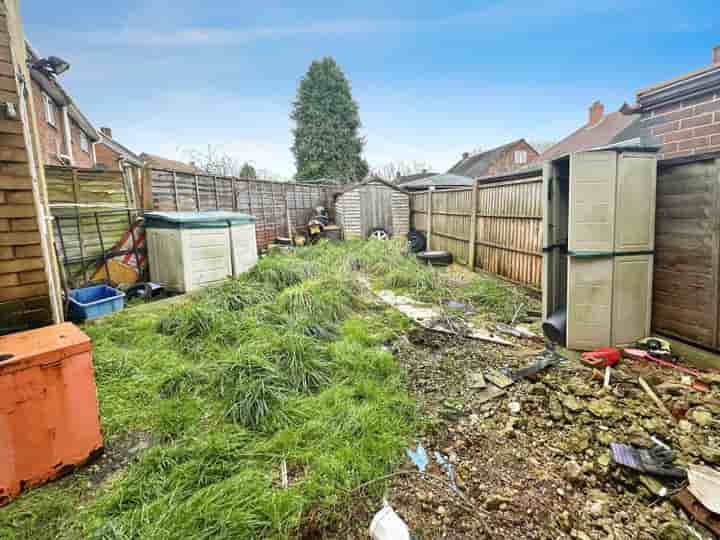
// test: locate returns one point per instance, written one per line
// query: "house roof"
(54, 89)
(613, 128)
(441, 181)
(124, 152)
(412, 177)
(159, 162)
(479, 164)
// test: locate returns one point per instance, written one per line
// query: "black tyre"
(439, 258)
(378, 233)
(416, 241)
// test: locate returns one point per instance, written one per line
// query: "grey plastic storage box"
(599, 236)
(189, 250)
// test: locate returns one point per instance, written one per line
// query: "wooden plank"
(20, 265)
(18, 238)
(23, 291)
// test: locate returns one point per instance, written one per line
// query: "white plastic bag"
(387, 525)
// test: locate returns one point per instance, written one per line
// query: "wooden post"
(217, 199)
(429, 217)
(197, 194)
(78, 221)
(473, 226)
(175, 192)
(147, 196)
(234, 193)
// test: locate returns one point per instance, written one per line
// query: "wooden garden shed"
(373, 205)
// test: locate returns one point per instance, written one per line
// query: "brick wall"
(23, 284)
(52, 140)
(506, 162)
(81, 158)
(106, 157)
(688, 127)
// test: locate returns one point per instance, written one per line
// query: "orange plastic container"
(49, 420)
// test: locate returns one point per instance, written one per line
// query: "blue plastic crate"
(93, 302)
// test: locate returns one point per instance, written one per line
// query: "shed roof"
(373, 180)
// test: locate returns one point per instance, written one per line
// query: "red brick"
(680, 115)
(678, 136)
(666, 128)
(668, 148)
(668, 108)
(696, 121)
(708, 107)
(694, 143)
(707, 130)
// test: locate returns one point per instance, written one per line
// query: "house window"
(520, 157)
(50, 110)
(84, 144)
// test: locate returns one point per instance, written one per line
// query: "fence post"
(197, 194)
(175, 192)
(473, 225)
(147, 196)
(429, 217)
(217, 196)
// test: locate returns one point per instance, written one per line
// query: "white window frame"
(520, 157)
(50, 110)
(84, 142)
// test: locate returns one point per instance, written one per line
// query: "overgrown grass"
(284, 364)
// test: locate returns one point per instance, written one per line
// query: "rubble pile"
(533, 460)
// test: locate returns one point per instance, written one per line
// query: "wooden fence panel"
(687, 259)
(508, 227)
(269, 202)
(93, 212)
(509, 230)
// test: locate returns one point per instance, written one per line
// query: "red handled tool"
(607, 356)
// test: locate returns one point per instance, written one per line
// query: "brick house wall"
(81, 158)
(506, 162)
(683, 115)
(688, 127)
(105, 156)
(52, 140)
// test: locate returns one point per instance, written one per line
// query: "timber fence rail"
(272, 203)
(493, 227)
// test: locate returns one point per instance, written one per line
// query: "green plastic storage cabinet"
(189, 250)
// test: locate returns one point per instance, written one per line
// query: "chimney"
(597, 110)
(465, 155)
(106, 131)
(716, 55)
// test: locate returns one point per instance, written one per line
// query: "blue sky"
(432, 79)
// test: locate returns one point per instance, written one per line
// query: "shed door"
(376, 209)
(635, 214)
(589, 302)
(592, 202)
